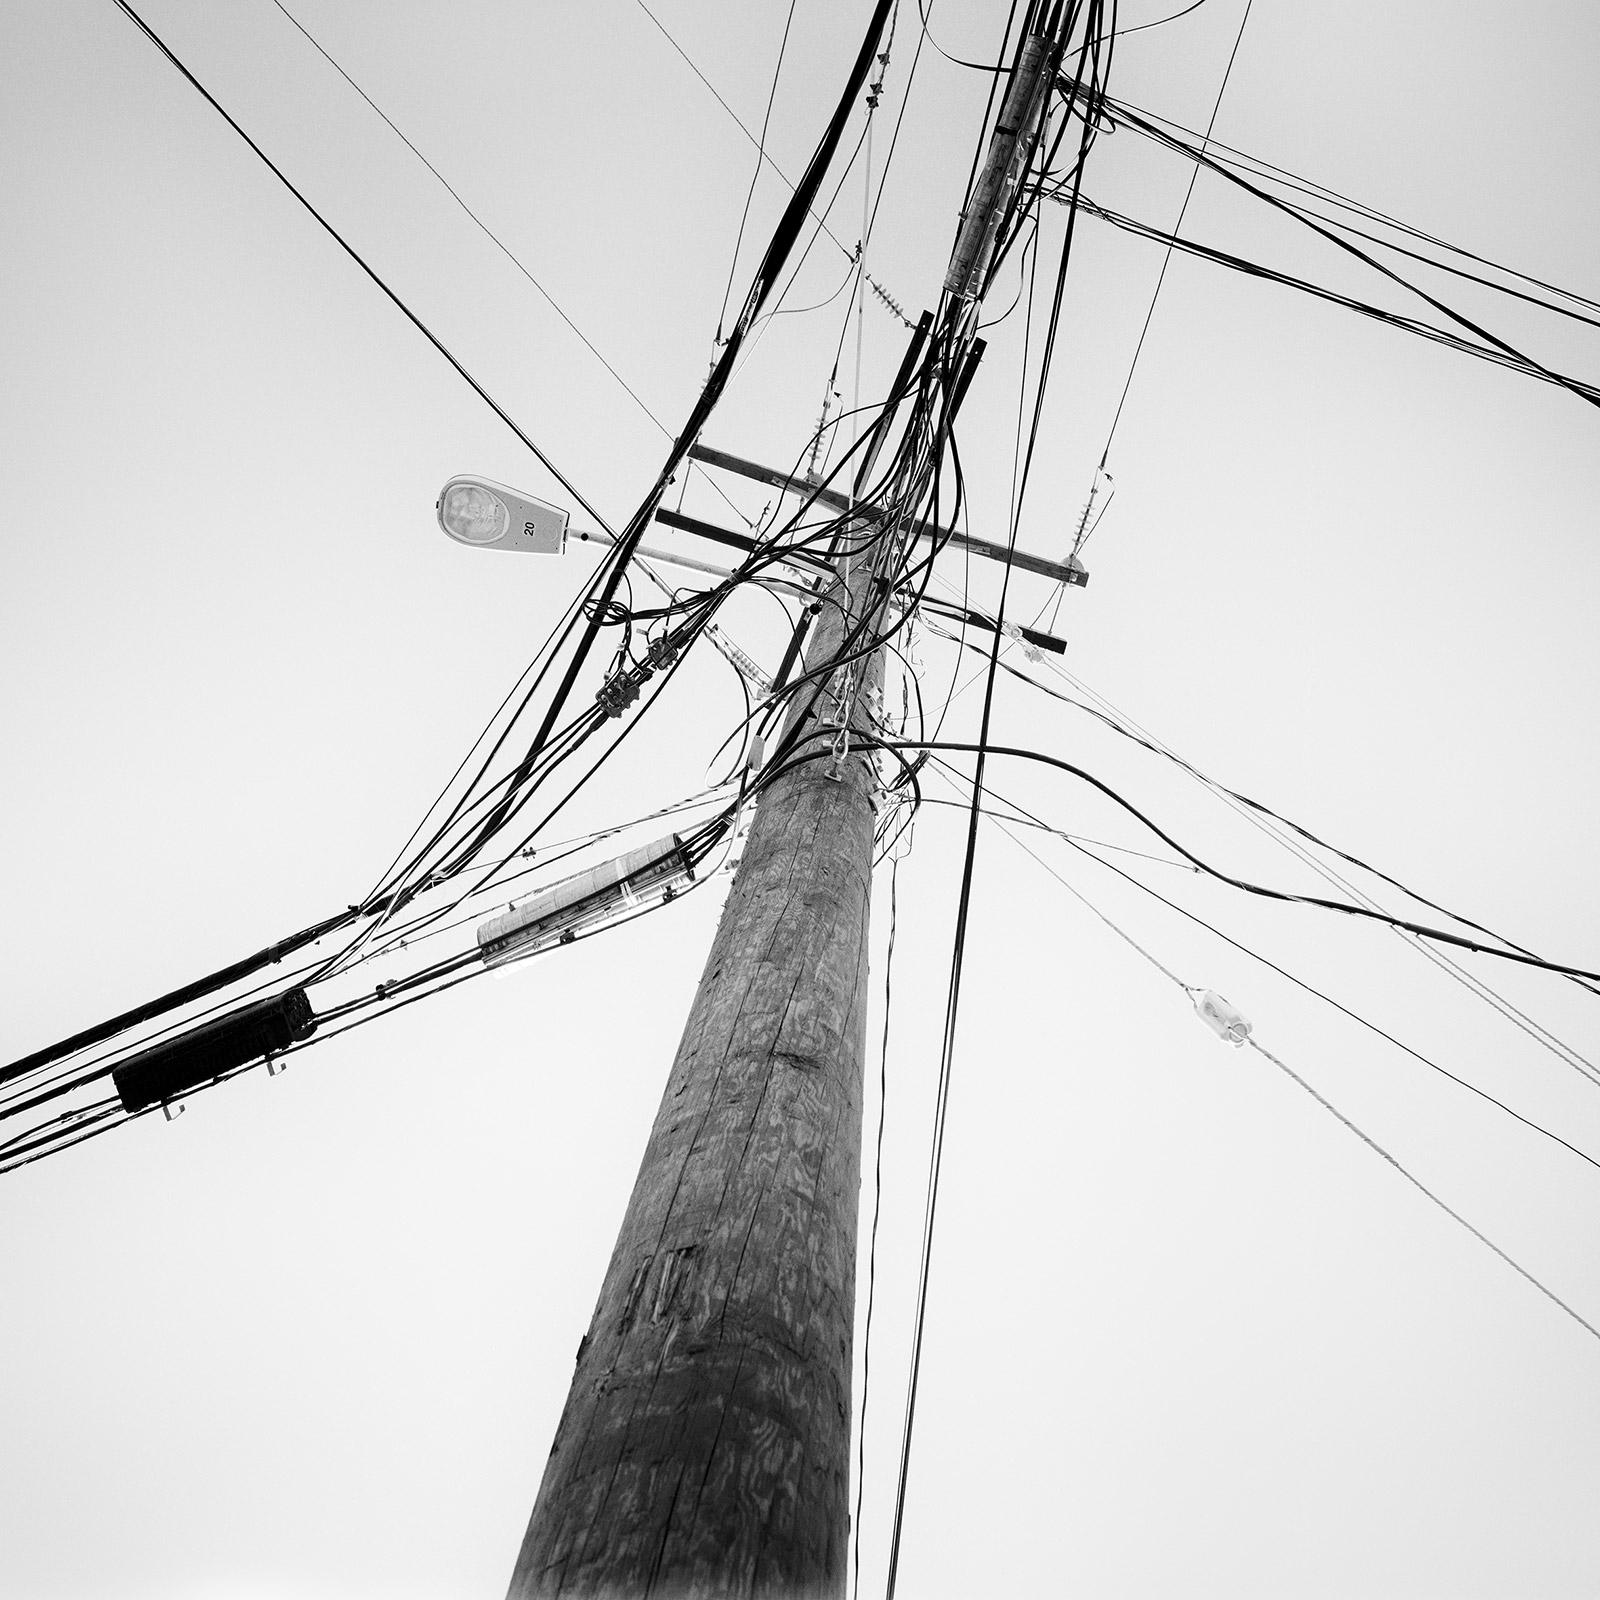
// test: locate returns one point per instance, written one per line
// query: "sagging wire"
(1192, 991)
(1492, 348)
(1268, 171)
(692, 612)
(1268, 822)
(610, 574)
(1019, 816)
(445, 973)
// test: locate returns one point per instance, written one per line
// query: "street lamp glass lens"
(472, 513)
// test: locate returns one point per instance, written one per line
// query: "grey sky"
(1186, 1334)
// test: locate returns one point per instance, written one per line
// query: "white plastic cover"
(1220, 1017)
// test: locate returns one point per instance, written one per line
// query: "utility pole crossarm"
(1071, 571)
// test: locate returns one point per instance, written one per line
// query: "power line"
(1507, 351)
(761, 154)
(1346, 1122)
(1496, 351)
(1416, 1183)
(760, 144)
(1166, 259)
(1054, 46)
(1263, 818)
(504, 249)
(1082, 846)
(1261, 167)
(482, 226)
(1442, 935)
(338, 238)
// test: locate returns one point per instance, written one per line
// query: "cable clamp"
(618, 693)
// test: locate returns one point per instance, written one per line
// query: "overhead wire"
(83, 1073)
(361, 261)
(1007, 824)
(1351, 1126)
(761, 154)
(478, 221)
(1501, 357)
(1442, 935)
(758, 143)
(494, 238)
(1166, 259)
(598, 605)
(1411, 1178)
(1055, 44)
(433, 979)
(1269, 171)
(1263, 817)
(1268, 821)
(1493, 346)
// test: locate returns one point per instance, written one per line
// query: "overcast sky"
(1186, 1333)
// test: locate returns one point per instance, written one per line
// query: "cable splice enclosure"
(165, 1071)
(566, 906)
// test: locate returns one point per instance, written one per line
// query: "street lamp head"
(481, 512)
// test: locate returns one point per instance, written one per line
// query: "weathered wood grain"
(704, 1448)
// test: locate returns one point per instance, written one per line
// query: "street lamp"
(481, 512)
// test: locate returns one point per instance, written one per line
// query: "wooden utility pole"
(704, 1448)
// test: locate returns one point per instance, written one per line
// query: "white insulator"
(1220, 1017)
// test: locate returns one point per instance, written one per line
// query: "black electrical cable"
(1395, 319)
(46, 1139)
(1160, 22)
(1192, 153)
(1034, 820)
(610, 571)
(761, 155)
(772, 263)
(1372, 1144)
(482, 226)
(982, 749)
(608, 577)
(1422, 931)
(738, 120)
(1321, 192)
(176, 997)
(1267, 811)
(1000, 69)
(350, 250)
(436, 877)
